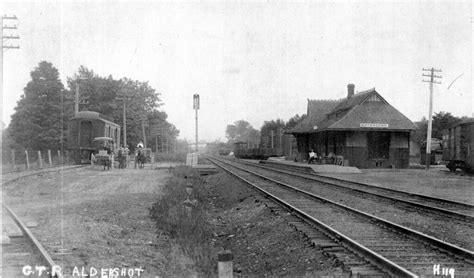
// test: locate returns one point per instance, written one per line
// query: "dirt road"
(92, 220)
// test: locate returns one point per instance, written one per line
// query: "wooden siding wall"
(302, 146)
(451, 144)
(72, 139)
(470, 142)
(399, 140)
(356, 149)
(336, 143)
(399, 156)
(457, 143)
(353, 146)
(356, 139)
(467, 143)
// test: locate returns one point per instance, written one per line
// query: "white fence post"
(49, 157)
(59, 157)
(27, 161)
(13, 160)
(40, 160)
(224, 264)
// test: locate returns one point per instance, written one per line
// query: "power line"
(432, 81)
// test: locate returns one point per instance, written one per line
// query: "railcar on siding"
(242, 151)
(83, 128)
(458, 144)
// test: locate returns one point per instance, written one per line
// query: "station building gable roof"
(364, 110)
(317, 111)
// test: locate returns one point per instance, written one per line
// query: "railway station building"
(363, 130)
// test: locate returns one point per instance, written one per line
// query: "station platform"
(205, 169)
(312, 168)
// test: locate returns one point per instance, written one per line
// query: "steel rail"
(36, 244)
(375, 258)
(52, 266)
(435, 199)
(49, 170)
(451, 248)
(430, 208)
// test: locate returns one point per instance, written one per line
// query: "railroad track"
(22, 254)
(461, 211)
(390, 248)
(13, 176)
(456, 230)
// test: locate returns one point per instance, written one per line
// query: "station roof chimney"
(350, 90)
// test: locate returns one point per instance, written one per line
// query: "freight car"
(458, 146)
(242, 151)
(86, 126)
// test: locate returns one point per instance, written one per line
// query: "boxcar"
(241, 151)
(458, 146)
(83, 128)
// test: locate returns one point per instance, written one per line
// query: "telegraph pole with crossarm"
(5, 38)
(432, 80)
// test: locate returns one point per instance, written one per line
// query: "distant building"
(363, 128)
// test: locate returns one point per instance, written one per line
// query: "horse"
(140, 158)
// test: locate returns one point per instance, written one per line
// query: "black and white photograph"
(213, 138)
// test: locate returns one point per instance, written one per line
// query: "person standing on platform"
(312, 157)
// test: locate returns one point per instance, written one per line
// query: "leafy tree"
(293, 121)
(162, 134)
(107, 96)
(272, 128)
(241, 131)
(441, 121)
(39, 121)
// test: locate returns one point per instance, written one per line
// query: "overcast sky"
(252, 61)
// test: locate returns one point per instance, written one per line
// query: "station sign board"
(374, 125)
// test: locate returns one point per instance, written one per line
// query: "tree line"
(243, 131)
(441, 121)
(42, 113)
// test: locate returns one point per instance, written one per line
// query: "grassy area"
(181, 215)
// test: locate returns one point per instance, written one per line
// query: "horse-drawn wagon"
(104, 157)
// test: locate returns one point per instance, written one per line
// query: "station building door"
(378, 143)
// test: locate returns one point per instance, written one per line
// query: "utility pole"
(196, 108)
(271, 134)
(124, 126)
(76, 95)
(76, 100)
(162, 135)
(432, 80)
(143, 132)
(4, 38)
(124, 98)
